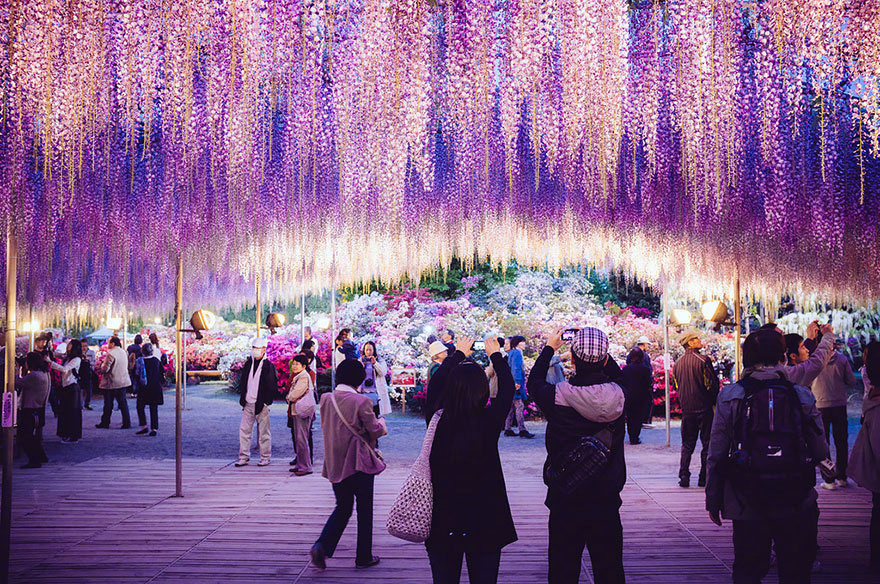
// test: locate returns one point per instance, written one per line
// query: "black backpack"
(769, 461)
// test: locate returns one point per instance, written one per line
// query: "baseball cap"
(436, 348)
(590, 345)
(260, 342)
(643, 340)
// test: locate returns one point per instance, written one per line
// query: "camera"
(479, 345)
(368, 383)
(568, 334)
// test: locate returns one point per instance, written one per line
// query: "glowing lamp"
(30, 327)
(274, 320)
(715, 310)
(201, 320)
(114, 323)
(323, 323)
(680, 316)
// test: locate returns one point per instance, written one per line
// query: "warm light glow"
(714, 310)
(203, 320)
(157, 320)
(680, 316)
(114, 322)
(30, 327)
(323, 323)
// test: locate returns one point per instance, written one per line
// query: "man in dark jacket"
(589, 403)
(697, 385)
(258, 385)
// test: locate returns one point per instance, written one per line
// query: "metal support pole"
(8, 398)
(259, 307)
(31, 327)
(737, 326)
(178, 381)
(666, 363)
(333, 335)
(302, 320)
(184, 376)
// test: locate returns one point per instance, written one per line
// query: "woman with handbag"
(471, 516)
(70, 395)
(300, 413)
(351, 462)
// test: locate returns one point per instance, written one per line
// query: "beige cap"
(687, 336)
(436, 348)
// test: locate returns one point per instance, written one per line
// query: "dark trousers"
(311, 442)
(29, 435)
(70, 412)
(791, 538)
(359, 486)
(834, 420)
(874, 536)
(635, 414)
(600, 531)
(482, 566)
(119, 396)
(693, 426)
(142, 415)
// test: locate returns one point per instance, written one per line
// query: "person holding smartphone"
(374, 385)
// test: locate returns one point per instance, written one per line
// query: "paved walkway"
(102, 511)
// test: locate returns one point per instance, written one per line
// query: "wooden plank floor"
(111, 520)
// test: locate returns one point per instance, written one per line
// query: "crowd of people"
(763, 437)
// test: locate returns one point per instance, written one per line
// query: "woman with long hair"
(70, 394)
(148, 369)
(471, 518)
(374, 385)
(864, 462)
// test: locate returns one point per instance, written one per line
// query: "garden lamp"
(717, 312)
(323, 323)
(201, 320)
(274, 320)
(114, 323)
(680, 316)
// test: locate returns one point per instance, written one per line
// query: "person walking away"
(589, 404)
(134, 353)
(116, 383)
(257, 387)
(301, 413)
(697, 385)
(830, 391)
(864, 462)
(88, 382)
(637, 383)
(33, 391)
(148, 369)
(766, 441)
(471, 517)
(644, 343)
(351, 463)
(375, 386)
(70, 394)
(157, 351)
(517, 408)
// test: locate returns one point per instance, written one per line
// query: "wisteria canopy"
(316, 140)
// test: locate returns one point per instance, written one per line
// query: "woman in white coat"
(374, 385)
(864, 462)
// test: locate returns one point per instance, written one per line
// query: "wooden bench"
(205, 373)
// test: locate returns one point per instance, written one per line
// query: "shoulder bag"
(577, 466)
(374, 452)
(411, 514)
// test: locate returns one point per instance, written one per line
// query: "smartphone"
(479, 346)
(568, 334)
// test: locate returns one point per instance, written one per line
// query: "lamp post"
(737, 325)
(333, 335)
(302, 319)
(666, 362)
(178, 383)
(8, 398)
(259, 311)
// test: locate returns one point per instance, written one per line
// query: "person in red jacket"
(698, 386)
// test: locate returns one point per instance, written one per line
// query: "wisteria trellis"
(373, 139)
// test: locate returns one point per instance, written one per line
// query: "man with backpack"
(585, 469)
(767, 439)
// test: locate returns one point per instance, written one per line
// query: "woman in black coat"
(638, 383)
(149, 371)
(471, 517)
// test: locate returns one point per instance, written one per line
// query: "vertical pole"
(124, 328)
(183, 375)
(8, 394)
(302, 319)
(333, 335)
(179, 381)
(737, 332)
(31, 327)
(259, 307)
(666, 362)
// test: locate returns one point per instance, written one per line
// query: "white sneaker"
(828, 486)
(241, 462)
(842, 483)
(647, 426)
(263, 462)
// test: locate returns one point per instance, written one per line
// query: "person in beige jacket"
(115, 382)
(301, 413)
(351, 462)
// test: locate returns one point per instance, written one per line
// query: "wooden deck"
(111, 520)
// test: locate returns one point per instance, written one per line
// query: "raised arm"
(805, 373)
(540, 391)
(434, 399)
(500, 405)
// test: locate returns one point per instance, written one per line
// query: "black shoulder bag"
(577, 466)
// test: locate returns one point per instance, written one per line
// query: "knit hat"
(258, 342)
(436, 348)
(688, 336)
(590, 345)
